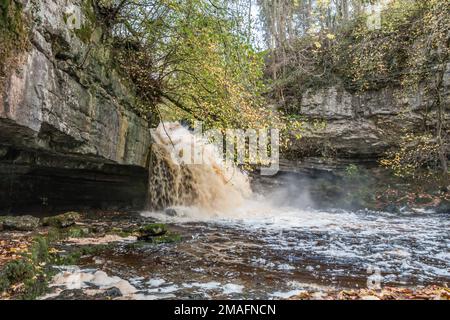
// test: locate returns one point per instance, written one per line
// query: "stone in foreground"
(152, 230)
(24, 223)
(63, 220)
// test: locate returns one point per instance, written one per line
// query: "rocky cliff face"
(345, 125)
(67, 134)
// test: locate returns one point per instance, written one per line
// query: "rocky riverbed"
(301, 254)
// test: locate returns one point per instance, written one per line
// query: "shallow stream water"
(282, 252)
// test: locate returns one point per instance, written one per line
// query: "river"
(278, 254)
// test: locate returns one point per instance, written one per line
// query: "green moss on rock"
(20, 223)
(157, 233)
(152, 230)
(121, 232)
(169, 237)
(73, 257)
(63, 220)
(77, 232)
(14, 36)
(84, 33)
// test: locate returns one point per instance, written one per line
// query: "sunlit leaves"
(193, 60)
(415, 152)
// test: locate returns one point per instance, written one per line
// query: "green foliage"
(77, 232)
(84, 33)
(73, 257)
(185, 60)
(417, 156)
(13, 36)
(402, 51)
(397, 52)
(408, 51)
(14, 272)
(4, 7)
(39, 250)
(90, 24)
(190, 59)
(31, 272)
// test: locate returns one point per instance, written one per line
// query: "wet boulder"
(20, 223)
(158, 234)
(443, 207)
(171, 212)
(152, 230)
(63, 220)
(391, 208)
(113, 292)
(99, 229)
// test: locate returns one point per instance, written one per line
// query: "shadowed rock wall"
(68, 137)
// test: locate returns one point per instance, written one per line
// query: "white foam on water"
(286, 294)
(74, 278)
(405, 244)
(361, 238)
(213, 285)
(167, 289)
(285, 267)
(231, 288)
(444, 256)
(156, 282)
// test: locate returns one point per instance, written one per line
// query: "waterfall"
(176, 180)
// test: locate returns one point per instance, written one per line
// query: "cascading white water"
(212, 185)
